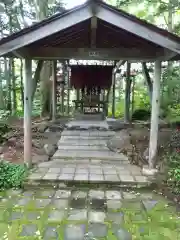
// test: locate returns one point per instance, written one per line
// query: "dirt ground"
(12, 149)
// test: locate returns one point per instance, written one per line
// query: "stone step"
(80, 148)
(88, 124)
(80, 184)
(90, 155)
(82, 142)
(58, 172)
(82, 161)
(92, 133)
(63, 138)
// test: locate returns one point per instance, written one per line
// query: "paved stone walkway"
(83, 156)
(91, 214)
(78, 172)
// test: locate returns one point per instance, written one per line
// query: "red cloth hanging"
(91, 76)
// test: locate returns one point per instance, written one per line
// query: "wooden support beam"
(93, 31)
(17, 54)
(138, 29)
(113, 94)
(50, 53)
(155, 115)
(167, 55)
(118, 65)
(68, 90)
(62, 91)
(54, 85)
(27, 113)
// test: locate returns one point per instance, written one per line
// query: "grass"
(160, 222)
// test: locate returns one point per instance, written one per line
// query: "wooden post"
(155, 114)
(62, 89)
(113, 94)
(62, 101)
(68, 89)
(132, 101)
(27, 112)
(127, 94)
(54, 80)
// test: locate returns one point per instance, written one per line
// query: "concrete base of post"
(147, 171)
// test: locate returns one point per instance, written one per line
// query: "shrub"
(4, 128)
(12, 175)
(173, 178)
(141, 114)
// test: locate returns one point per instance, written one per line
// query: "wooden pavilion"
(93, 30)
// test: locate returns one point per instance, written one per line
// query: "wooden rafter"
(137, 29)
(55, 26)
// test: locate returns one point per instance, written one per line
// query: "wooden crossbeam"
(51, 53)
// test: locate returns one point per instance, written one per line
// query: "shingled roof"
(117, 29)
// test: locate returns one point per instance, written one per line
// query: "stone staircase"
(83, 158)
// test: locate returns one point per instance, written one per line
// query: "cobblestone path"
(86, 214)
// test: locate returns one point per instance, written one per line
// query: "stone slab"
(84, 148)
(87, 133)
(90, 155)
(79, 170)
(88, 124)
(91, 133)
(82, 138)
(80, 142)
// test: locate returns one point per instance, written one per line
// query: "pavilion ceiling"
(107, 36)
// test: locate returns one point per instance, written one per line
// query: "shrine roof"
(94, 30)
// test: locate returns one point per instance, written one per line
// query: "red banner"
(91, 76)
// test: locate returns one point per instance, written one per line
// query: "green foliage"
(119, 110)
(4, 128)
(173, 113)
(141, 99)
(170, 102)
(4, 114)
(173, 163)
(141, 114)
(11, 175)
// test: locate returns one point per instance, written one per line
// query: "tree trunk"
(13, 80)
(36, 77)
(127, 99)
(6, 77)
(148, 80)
(43, 68)
(1, 89)
(22, 85)
(1, 75)
(45, 88)
(170, 29)
(9, 104)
